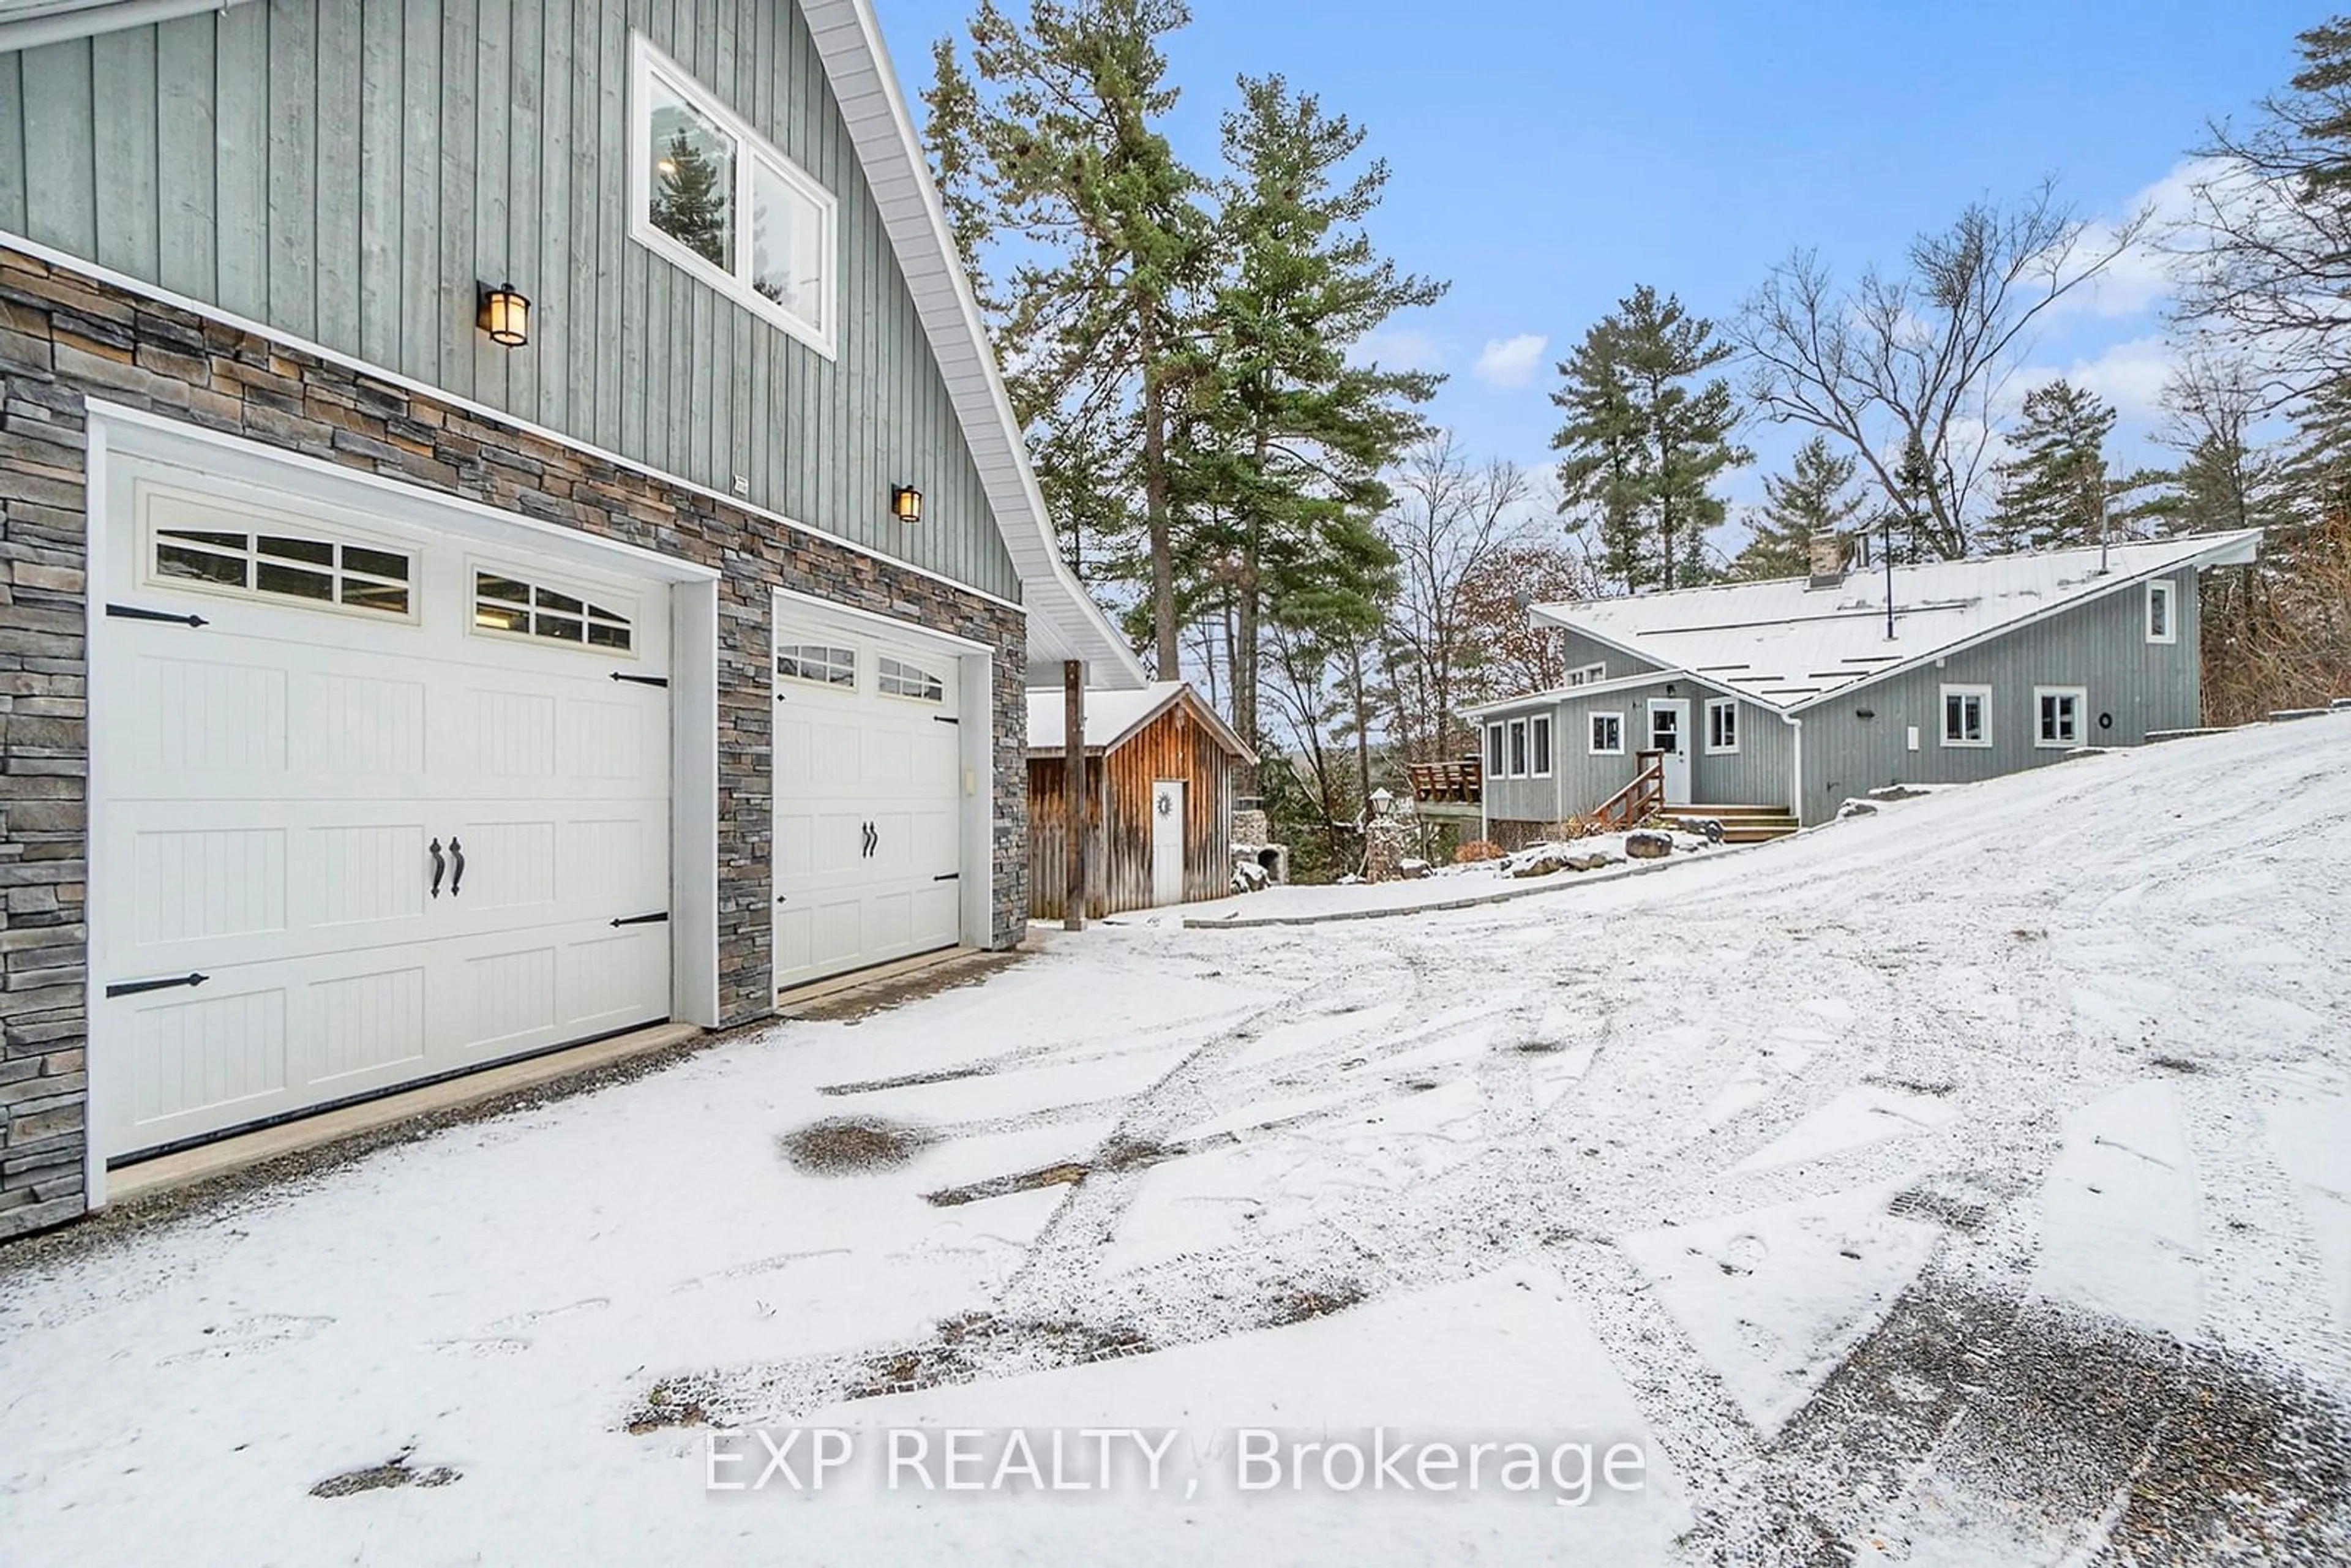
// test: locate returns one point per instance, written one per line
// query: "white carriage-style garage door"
(370, 805)
(868, 793)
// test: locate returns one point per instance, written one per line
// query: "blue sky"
(1547, 157)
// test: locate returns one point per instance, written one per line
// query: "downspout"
(1796, 767)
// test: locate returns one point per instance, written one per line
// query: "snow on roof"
(1112, 715)
(1786, 645)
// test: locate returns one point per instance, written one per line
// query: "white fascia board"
(1603, 688)
(1064, 621)
(29, 24)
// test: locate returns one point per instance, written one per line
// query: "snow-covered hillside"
(1968, 1183)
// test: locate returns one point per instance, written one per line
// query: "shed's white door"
(1167, 841)
(868, 789)
(1669, 734)
(402, 802)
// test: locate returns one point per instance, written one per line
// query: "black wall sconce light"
(1865, 713)
(505, 315)
(906, 503)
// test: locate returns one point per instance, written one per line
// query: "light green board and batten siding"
(347, 170)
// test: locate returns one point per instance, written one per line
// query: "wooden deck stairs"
(1740, 824)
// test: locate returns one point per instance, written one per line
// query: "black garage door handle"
(456, 853)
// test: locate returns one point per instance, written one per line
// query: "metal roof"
(1113, 717)
(1786, 645)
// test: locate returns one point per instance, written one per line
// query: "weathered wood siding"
(2100, 646)
(348, 170)
(1172, 745)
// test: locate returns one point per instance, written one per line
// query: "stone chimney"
(1827, 564)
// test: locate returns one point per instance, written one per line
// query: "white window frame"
(1589, 675)
(160, 509)
(1516, 754)
(1723, 706)
(1497, 752)
(2080, 697)
(621, 607)
(1542, 756)
(1943, 715)
(646, 63)
(2166, 593)
(1592, 733)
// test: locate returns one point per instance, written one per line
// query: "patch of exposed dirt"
(965, 1344)
(1120, 1152)
(395, 1471)
(909, 1080)
(1936, 1089)
(2176, 1064)
(1538, 1047)
(2055, 1418)
(1303, 1303)
(848, 1145)
(665, 1408)
(857, 1003)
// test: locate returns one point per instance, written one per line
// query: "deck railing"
(1458, 783)
(1639, 800)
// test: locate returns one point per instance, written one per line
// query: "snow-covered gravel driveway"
(1970, 1183)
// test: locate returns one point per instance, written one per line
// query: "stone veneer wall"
(64, 337)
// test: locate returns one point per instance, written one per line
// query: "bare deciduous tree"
(2266, 246)
(1908, 368)
(1449, 519)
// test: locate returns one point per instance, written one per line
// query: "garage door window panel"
(900, 679)
(324, 572)
(509, 605)
(817, 664)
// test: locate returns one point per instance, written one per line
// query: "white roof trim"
(1119, 716)
(29, 24)
(1634, 683)
(1064, 621)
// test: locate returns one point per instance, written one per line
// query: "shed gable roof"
(1787, 645)
(1114, 717)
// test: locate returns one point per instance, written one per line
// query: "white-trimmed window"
(1607, 735)
(503, 603)
(1517, 748)
(1539, 742)
(708, 193)
(2163, 611)
(1493, 751)
(302, 568)
(2058, 714)
(1722, 725)
(898, 678)
(1589, 675)
(1967, 715)
(817, 663)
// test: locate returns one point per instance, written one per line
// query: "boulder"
(1856, 809)
(1646, 846)
(1592, 862)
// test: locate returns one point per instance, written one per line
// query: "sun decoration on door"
(1167, 805)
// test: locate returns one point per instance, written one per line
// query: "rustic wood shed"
(1161, 774)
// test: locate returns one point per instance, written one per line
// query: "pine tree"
(1645, 446)
(2053, 493)
(690, 200)
(1814, 501)
(1053, 145)
(1288, 439)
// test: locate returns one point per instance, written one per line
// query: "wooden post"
(1075, 791)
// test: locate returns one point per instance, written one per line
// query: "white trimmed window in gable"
(1493, 751)
(1607, 735)
(1589, 675)
(708, 193)
(1967, 715)
(1722, 725)
(2058, 714)
(2163, 611)
(1539, 740)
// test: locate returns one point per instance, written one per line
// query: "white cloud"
(2131, 375)
(1510, 362)
(1399, 349)
(2142, 278)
